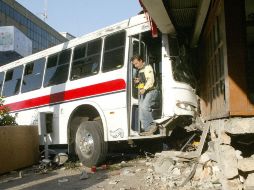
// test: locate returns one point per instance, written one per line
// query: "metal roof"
(185, 16)
(182, 13)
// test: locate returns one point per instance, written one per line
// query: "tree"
(5, 117)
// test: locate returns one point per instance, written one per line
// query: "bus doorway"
(149, 49)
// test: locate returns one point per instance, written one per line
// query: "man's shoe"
(134, 133)
(152, 130)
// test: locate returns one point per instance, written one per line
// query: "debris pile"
(178, 170)
(220, 166)
(49, 164)
(234, 153)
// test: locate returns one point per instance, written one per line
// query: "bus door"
(136, 47)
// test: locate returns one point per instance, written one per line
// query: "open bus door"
(136, 47)
(149, 49)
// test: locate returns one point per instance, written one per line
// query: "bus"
(80, 93)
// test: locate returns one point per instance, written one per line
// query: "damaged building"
(219, 37)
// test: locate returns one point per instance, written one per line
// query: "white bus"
(81, 93)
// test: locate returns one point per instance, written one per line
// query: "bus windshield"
(182, 72)
(181, 69)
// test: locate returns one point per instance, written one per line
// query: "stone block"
(163, 165)
(249, 182)
(228, 161)
(225, 139)
(246, 164)
(239, 126)
(233, 184)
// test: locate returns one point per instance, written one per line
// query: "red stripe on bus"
(96, 89)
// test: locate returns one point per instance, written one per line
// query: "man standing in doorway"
(148, 94)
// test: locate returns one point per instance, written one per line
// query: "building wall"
(214, 89)
(19, 147)
(13, 44)
(223, 57)
(236, 46)
(42, 35)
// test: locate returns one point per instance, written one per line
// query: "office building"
(40, 33)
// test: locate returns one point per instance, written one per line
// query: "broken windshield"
(182, 71)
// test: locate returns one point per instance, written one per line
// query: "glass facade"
(41, 34)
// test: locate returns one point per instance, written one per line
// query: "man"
(148, 94)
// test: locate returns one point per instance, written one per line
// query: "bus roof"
(131, 22)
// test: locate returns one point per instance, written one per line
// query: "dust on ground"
(127, 174)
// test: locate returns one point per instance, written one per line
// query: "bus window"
(79, 52)
(57, 68)
(139, 48)
(33, 75)
(64, 57)
(86, 60)
(182, 72)
(12, 81)
(113, 57)
(1, 82)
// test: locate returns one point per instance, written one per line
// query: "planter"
(19, 147)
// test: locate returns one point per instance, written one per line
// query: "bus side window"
(113, 57)
(93, 56)
(33, 75)
(77, 62)
(86, 59)
(12, 81)
(57, 68)
(1, 82)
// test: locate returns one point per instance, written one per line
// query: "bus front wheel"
(89, 142)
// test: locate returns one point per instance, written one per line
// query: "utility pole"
(45, 13)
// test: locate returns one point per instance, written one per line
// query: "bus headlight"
(185, 106)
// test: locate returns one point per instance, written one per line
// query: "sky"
(79, 17)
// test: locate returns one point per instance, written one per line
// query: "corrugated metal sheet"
(184, 17)
(183, 3)
(182, 12)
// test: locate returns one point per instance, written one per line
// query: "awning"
(181, 16)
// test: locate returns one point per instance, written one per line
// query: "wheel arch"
(88, 111)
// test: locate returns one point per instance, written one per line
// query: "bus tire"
(90, 145)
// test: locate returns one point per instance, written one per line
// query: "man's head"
(137, 61)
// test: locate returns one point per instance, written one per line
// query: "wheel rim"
(86, 144)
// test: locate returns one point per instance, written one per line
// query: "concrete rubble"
(222, 165)
(173, 172)
(83, 175)
(246, 164)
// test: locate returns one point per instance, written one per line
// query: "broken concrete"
(198, 174)
(249, 183)
(232, 184)
(205, 157)
(246, 164)
(224, 138)
(179, 173)
(228, 161)
(238, 154)
(223, 132)
(83, 175)
(239, 125)
(163, 165)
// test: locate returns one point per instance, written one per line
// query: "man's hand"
(136, 80)
(142, 91)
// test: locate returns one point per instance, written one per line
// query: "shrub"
(5, 117)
